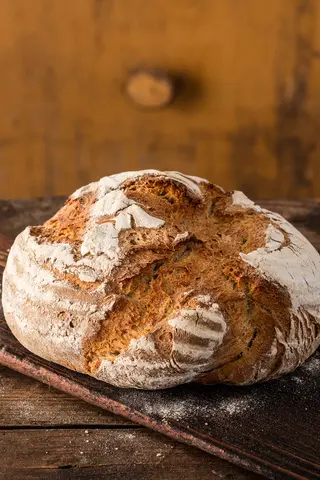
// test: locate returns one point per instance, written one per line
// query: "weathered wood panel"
(246, 113)
(109, 454)
(188, 470)
(25, 402)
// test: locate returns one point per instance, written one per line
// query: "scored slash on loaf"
(151, 279)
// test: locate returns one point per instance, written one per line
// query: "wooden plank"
(120, 454)
(25, 402)
(246, 114)
(120, 472)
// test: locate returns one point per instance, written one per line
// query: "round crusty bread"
(152, 279)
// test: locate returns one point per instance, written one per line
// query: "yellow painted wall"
(247, 115)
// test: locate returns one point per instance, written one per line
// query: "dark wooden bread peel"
(272, 429)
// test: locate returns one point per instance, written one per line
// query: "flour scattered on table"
(236, 405)
(176, 408)
(312, 366)
(170, 409)
(297, 380)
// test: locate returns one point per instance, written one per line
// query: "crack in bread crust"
(151, 299)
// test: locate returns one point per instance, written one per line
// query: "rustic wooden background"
(247, 111)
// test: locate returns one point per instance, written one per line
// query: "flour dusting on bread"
(143, 365)
(295, 266)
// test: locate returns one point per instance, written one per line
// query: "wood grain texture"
(203, 471)
(56, 448)
(99, 454)
(247, 109)
(66, 426)
(25, 403)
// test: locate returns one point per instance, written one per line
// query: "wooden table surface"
(46, 434)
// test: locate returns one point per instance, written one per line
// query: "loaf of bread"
(152, 279)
